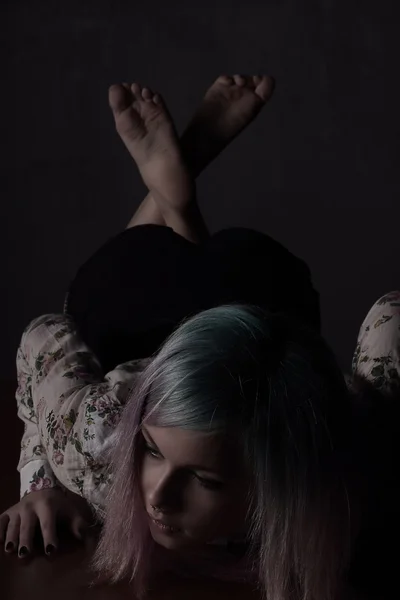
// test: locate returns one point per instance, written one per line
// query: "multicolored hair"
(238, 364)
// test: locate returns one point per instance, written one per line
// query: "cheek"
(216, 515)
(148, 477)
(231, 513)
(204, 514)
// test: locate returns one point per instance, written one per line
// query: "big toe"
(264, 87)
(119, 98)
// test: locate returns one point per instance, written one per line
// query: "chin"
(168, 543)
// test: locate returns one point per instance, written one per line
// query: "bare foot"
(230, 104)
(147, 130)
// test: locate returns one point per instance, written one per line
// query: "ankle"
(188, 222)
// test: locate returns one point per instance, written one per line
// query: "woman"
(229, 451)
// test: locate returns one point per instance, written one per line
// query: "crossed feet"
(168, 165)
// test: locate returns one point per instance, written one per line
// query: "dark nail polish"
(50, 549)
(23, 551)
(9, 547)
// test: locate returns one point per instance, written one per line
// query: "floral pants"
(70, 408)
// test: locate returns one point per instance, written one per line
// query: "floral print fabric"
(70, 408)
(377, 354)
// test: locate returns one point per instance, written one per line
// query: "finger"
(27, 532)
(47, 519)
(4, 519)
(12, 536)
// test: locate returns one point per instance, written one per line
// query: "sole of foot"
(145, 126)
(228, 107)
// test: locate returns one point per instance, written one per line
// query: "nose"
(166, 493)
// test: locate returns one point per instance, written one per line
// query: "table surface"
(67, 576)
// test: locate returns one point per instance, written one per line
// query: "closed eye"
(210, 484)
(151, 451)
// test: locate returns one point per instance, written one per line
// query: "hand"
(46, 507)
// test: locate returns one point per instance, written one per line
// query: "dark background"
(318, 170)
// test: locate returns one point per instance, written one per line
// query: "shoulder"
(47, 335)
(46, 324)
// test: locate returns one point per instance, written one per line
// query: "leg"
(187, 221)
(377, 356)
(148, 213)
(190, 225)
(229, 105)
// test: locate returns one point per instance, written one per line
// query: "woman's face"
(199, 483)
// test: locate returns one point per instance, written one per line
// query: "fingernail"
(50, 549)
(23, 551)
(9, 547)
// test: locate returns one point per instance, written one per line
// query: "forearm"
(33, 466)
(76, 405)
(46, 376)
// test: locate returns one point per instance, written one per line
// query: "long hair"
(238, 364)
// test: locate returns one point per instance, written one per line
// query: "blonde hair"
(238, 364)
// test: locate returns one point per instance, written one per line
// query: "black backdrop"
(318, 170)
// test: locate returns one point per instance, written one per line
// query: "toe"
(225, 80)
(136, 90)
(240, 80)
(265, 88)
(147, 94)
(118, 98)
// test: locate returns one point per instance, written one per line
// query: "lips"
(163, 524)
